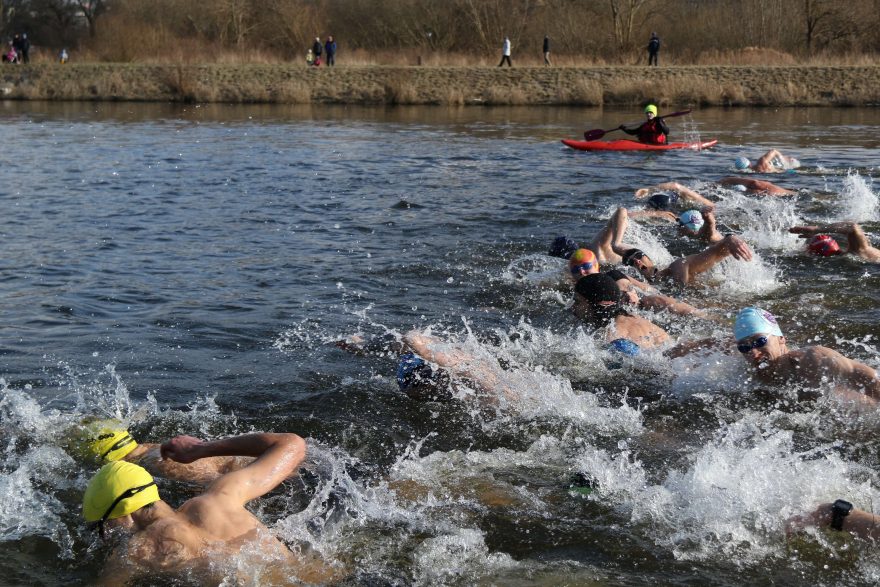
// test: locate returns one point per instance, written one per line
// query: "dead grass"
(451, 86)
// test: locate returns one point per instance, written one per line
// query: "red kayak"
(627, 145)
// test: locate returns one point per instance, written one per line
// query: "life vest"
(651, 133)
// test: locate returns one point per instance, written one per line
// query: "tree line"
(600, 31)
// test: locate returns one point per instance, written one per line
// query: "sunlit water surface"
(187, 269)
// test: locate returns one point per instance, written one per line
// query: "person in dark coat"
(317, 48)
(547, 51)
(653, 49)
(330, 51)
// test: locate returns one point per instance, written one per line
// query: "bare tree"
(91, 10)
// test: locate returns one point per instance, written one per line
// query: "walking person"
(330, 51)
(547, 51)
(505, 53)
(653, 49)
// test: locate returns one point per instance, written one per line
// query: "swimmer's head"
(752, 321)
(583, 262)
(662, 200)
(739, 188)
(417, 379)
(602, 295)
(101, 441)
(651, 109)
(823, 245)
(642, 262)
(691, 220)
(562, 247)
(742, 163)
(118, 489)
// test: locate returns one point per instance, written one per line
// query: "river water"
(188, 268)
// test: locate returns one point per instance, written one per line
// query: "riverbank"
(576, 86)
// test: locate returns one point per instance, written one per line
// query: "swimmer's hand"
(738, 248)
(183, 449)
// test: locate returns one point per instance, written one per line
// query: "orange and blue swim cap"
(582, 260)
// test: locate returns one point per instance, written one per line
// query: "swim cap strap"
(124, 441)
(124, 495)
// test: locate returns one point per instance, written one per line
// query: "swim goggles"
(755, 344)
(576, 269)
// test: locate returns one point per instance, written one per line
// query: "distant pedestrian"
(653, 49)
(310, 58)
(547, 51)
(317, 49)
(25, 45)
(63, 57)
(505, 53)
(330, 51)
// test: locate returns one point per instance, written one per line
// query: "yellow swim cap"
(117, 490)
(103, 441)
(651, 108)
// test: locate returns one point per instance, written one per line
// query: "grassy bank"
(588, 86)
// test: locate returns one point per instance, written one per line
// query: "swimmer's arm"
(278, 455)
(858, 522)
(424, 346)
(685, 348)
(767, 158)
(659, 302)
(853, 374)
(118, 570)
(662, 214)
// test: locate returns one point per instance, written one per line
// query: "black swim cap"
(631, 255)
(598, 288)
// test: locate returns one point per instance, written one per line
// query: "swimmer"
(562, 247)
(198, 537)
(107, 441)
(699, 224)
(637, 293)
(770, 162)
(684, 270)
(824, 245)
(671, 196)
(756, 187)
(840, 516)
(430, 370)
(759, 339)
(599, 302)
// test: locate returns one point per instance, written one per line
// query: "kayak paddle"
(598, 133)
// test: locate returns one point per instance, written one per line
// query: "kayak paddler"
(653, 131)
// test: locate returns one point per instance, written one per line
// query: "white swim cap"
(691, 219)
(739, 187)
(741, 163)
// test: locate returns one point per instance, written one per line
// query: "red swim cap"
(823, 245)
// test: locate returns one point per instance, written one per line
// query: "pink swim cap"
(823, 245)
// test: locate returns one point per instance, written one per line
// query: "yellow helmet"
(651, 108)
(117, 490)
(102, 441)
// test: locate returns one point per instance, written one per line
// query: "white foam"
(857, 202)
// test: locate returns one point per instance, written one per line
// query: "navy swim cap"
(662, 200)
(562, 247)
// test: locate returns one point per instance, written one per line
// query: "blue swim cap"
(741, 163)
(624, 346)
(692, 220)
(752, 321)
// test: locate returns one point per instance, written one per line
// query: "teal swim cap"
(752, 321)
(741, 163)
